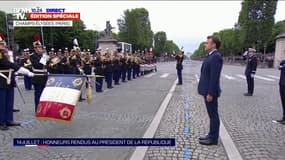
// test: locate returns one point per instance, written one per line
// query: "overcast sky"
(187, 23)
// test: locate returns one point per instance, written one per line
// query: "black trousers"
(212, 109)
(250, 84)
(179, 74)
(282, 95)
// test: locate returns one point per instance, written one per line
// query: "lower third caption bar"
(31, 142)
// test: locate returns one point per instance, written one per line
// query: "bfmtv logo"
(22, 13)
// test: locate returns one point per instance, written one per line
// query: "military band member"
(75, 64)
(99, 70)
(282, 89)
(134, 65)
(129, 67)
(179, 67)
(87, 67)
(27, 64)
(64, 62)
(108, 69)
(39, 61)
(7, 84)
(124, 67)
(116, 68)
(250, 71)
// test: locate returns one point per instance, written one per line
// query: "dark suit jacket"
(251, 66)
(282, 74)
(210, 75)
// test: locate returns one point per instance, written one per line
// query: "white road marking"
(197, 77)
(274, 77)
(231, 149)
(264, 78)
(20, 83)
(228, 77)
(150, 75)
(164, 75)
(139, 152)
(241, 76)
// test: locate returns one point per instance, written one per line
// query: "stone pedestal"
(109, 43)
(279, 49)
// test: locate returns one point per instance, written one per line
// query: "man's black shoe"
(16, 110)
(99, 91)
(81, 99)
(4, 127)
(203, 138)
(13, 124)
(208, 142)
(247, 94)
(179, 84)
(282, 121)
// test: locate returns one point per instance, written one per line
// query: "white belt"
(8, 79)
(39, 70)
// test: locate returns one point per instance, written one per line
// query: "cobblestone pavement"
(185, 120)
(249, 119)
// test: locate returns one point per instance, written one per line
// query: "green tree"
(159, 42)
(256, 20)
(171, 47)
(134, 28)
(278, 28)
(3, 29)
(200, 51)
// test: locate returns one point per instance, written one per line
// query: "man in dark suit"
(282, 89)
(250, 71)
(209, 87)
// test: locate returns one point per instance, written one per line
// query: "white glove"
(31, 74)
(44, 59)
(46, 56)
(252, 75)
(25, 71)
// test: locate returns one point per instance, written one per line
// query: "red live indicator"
(54, 16)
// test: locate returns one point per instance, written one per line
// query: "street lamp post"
(264, 51)
(42, 35)
(7, 30)
(95, 35)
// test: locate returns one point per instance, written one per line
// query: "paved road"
(128, 109)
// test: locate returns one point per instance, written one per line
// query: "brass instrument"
(54, 61)
(28, 64)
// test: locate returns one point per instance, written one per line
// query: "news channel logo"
(43, 17)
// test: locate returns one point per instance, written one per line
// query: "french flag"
(60, 97)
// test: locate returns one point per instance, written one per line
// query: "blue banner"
(94, 142)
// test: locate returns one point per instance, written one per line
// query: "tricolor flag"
(60, 97)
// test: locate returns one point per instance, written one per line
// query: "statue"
(108, 30)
